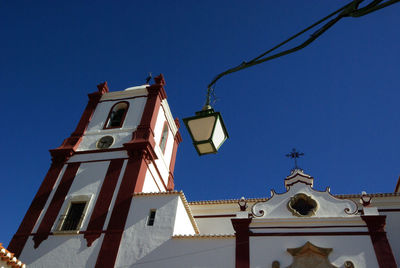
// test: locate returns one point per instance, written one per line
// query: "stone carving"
(310, 255)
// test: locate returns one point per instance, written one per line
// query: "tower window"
(151, 218)
(74, 216)
(117, 115)
(164, 136)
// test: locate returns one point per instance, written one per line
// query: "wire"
(349, 10)
(178, 256)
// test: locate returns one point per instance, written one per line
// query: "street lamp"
(207, 130)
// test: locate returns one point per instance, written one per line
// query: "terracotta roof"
(8, 257)
(251, 200)
(204, 236)
(184, 200)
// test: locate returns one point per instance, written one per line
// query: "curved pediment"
(301, 200)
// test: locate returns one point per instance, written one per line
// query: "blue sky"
(337, 100)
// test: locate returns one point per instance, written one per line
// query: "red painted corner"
(383, 251)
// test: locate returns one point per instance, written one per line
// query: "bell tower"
(125, 143)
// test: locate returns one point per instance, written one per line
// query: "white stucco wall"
(183, 225)
(358, 249)
(190, 253)
(217, 225)
(139, 239)
(150, 185)
(62, 251)
(392, 232)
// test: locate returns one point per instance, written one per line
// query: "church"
(108, 200)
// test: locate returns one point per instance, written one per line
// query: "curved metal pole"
(349, 10)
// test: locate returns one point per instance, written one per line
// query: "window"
(117, 115)
(164, 136)
(151, 218)
(73, 217)
(74, 213)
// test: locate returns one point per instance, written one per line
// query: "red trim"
(103, 201)
(123, 116)
(131, 182)
(32, 215)
(241, 227)
(140, 149)
(55, 204)
(383, 251)
(69, 145)
(177, 140)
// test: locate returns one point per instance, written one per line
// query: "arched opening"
(117, 115)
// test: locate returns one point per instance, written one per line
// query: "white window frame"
(61, 218)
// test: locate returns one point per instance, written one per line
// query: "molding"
(126, 94)
(35, 209)
(242, 248)
(100, 210)
(383, 251)
(55, 204)
(70, 144)
(310, 234)
(122, 99)
(216, 216)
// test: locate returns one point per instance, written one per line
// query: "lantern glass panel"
(219, 134)
(205, 148)
(201, 128)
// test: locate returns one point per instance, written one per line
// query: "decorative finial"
(159, 80)
(103, 87)
(148, 78)
(242, 204)
(294, 155)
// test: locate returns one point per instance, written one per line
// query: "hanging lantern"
(207, 130)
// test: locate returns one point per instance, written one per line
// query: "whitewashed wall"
(191, 253)
(150, 185)
(62, 251)
(393, 233)
(87, 182)
(358, 249)
(140, 240)
(183, 225)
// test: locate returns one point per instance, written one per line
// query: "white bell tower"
(125, 143)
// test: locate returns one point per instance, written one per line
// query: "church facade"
(108, 200)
